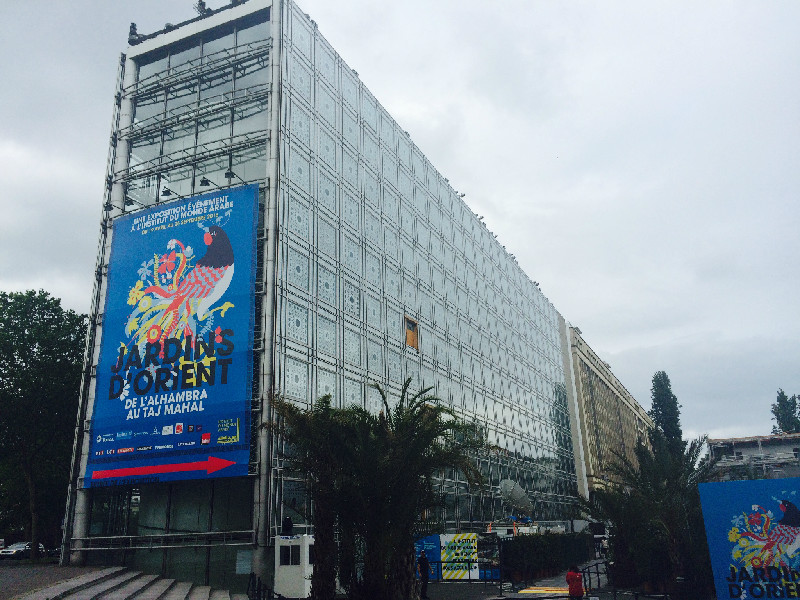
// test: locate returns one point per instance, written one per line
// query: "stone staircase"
(119, 583)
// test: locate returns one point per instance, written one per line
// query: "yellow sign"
(459, 556)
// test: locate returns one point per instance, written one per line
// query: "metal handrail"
(203, 539)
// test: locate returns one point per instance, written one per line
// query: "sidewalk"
(478, 591)
(18, 579)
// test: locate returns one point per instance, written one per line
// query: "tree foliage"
(371, 478)
(540, 555)
(657, 531)
(41, 353)
(786, 414)
(665, 412)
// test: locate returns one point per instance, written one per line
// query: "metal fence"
(258, 590)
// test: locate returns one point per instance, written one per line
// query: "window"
(412, 333)
(290, 555)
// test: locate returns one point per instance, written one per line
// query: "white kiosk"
(294, 563)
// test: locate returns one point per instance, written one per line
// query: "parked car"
(20, 550)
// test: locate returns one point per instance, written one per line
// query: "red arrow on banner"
(209, 466)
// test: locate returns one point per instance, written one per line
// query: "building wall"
(607, 419)
(371, 233)
(366, 233)
(192, 104)
(757, 457)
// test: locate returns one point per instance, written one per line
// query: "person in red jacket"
(575, 583)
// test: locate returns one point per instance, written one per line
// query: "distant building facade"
(606, 419)
(756, 457)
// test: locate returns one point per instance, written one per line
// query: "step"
(220, 595)
(102, 587)
(156, 590)
(62, 588)
(239, 597)
(131, 588)
(199, 592)
(179, 591)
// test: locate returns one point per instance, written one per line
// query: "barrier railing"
(463, 570)
(258, 590)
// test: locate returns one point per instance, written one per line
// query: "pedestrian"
(575, 583)
(424, 570)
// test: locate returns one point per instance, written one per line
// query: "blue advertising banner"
(431, 545)
(174, 376)
(753, 532)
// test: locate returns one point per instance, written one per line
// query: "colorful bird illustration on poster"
(174, 295)
(762, 540)
(753, 532)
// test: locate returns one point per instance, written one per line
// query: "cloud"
(725, 387)
(640, 161)
(50, 223)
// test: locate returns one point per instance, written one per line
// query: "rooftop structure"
(760, 457)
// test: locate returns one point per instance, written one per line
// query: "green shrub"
(543, 555)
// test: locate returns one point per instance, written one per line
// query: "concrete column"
(263, 491)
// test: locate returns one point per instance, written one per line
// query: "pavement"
(19, 578)
(548, 587)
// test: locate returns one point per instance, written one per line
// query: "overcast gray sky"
(641, 160)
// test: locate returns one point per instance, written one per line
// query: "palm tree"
(372, 476)
(654, 508)
(422, 438)
(314, 440)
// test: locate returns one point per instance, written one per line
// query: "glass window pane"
(179, 181)
(180, 137)
(214, 170)
(213, 129)
(151, 64)
(252, 72)
(189, 508)
(250, 117)
(214, 85)
(183, 54)
(233, 503)
(145, 149)
(251, 164)
(181, 96)
(152, 510)
(148, 107)
(253, 29)
(217, 40)
(143, 191)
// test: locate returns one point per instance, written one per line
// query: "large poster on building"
(753, 532)
(174, 376)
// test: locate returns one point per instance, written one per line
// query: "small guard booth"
(294, 563)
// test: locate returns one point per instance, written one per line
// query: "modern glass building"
(368, 268)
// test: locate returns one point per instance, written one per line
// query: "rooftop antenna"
(200, 7)
(133, 35)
